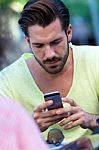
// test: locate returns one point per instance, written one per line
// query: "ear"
(27, 39)
(69, 32)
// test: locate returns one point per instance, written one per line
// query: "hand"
(43, 118)
(76, 116)
(80, 144)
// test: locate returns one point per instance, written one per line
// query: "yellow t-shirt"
(17, 83)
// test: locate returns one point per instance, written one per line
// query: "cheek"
(61, 48)
(38, 54)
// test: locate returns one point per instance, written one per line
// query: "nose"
(49, 52)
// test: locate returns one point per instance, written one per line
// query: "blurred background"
(84, 20)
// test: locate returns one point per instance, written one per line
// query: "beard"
(54, 69)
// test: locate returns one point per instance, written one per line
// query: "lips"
(53, 63)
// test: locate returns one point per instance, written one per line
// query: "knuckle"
(44, 125)
(73, 102)
(82, 114)
(52, 112)
(35, 115)
(39, 121)
(79, 108)
(82, 121)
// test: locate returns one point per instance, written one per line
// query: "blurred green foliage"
(76, 7)
(6, 3)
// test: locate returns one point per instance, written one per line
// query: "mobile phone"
(56, 98)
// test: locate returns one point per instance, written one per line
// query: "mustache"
(54, 59)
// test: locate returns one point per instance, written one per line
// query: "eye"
(38, 45)
(56, 42)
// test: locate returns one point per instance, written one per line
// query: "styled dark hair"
(43, 12)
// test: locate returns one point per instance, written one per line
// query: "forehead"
(45, 34)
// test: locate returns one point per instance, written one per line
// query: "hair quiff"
(43, 12)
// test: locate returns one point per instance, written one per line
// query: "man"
(55, 65)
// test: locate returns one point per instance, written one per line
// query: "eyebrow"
(58, 39)
(37, 44)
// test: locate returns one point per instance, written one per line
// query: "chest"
(61, 84)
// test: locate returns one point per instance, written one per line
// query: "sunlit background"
(84, 20)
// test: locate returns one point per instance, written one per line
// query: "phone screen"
(55, 96)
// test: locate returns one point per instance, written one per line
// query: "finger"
(40, 113)
(44, 114)
(43, 106)
(45, 123)
(69, 101)
(73, 124)
(53, 118)
(69, 110)
(71, 118)
(49, 113)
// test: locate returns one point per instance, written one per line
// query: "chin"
(54, 71)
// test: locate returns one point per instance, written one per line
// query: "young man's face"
(49, 46)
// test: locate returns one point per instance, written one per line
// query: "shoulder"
(87, 59)
(87, 52)
(16, 67)
(11, 69)
(87, 49)
(13, 76)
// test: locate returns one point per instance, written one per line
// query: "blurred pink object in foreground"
(17, 130)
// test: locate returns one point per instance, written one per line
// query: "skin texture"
(46, 44)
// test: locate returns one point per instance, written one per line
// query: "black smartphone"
(55, 96)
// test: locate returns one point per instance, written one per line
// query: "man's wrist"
(94, 123)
